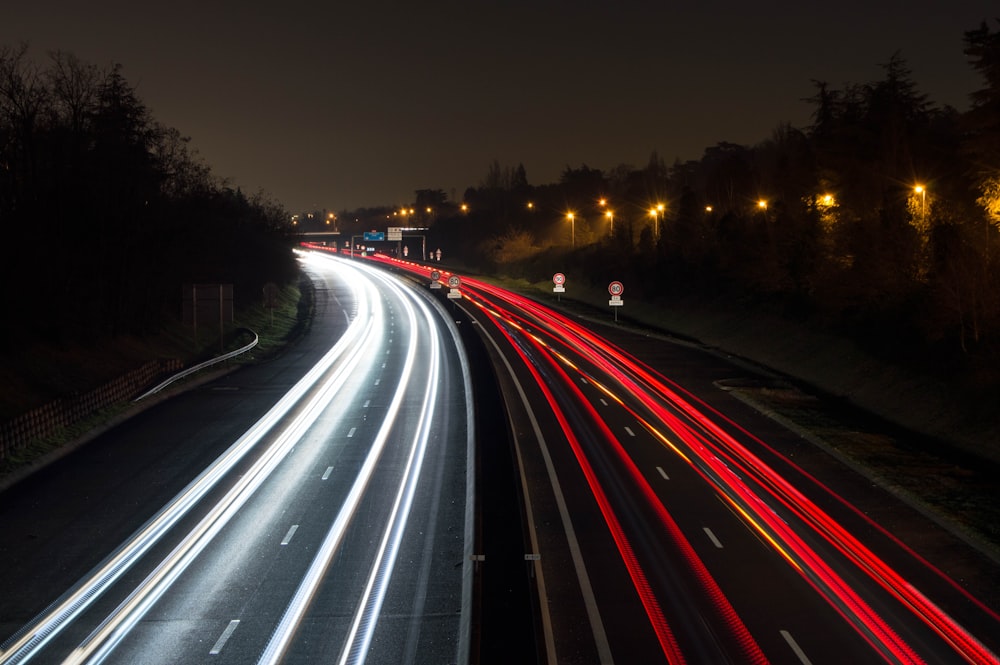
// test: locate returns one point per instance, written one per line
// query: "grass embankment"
(920, 444)
(37, 375)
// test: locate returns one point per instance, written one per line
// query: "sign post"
(616, 289)
(453, 283)
(559, 280)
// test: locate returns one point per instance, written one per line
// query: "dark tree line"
(880, 219)
(105, 212)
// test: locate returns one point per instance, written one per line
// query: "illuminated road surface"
(661, 531)
(336, 529)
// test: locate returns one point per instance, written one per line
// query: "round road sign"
(616, 288)
(454, 282)
(558, 279)
(435, 275)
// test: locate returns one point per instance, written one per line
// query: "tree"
(981, 124)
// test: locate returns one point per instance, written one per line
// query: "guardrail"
(199, 367)
(47, 419)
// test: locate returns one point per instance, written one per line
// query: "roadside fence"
(47, 419)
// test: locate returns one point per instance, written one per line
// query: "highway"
(335, 527)
(473, 479)
(662, 530)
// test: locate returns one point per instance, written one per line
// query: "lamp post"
(920, 189)
(611, 219)
(656, 213)
(572, 219)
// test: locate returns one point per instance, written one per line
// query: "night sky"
(361, 103)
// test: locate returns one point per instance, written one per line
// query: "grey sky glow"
(360, 104)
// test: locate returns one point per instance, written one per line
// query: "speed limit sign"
(454, 282)
(558, 279)
(616, 288)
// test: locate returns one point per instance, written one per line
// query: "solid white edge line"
(586, 589)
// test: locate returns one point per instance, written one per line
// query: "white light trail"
(103, 640)
(296, 609)
(366, 618)
(28, 641)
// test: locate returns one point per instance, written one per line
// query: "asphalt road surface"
(316, 508)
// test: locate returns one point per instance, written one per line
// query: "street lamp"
(920, 189)
(656, 213)
(572, 218)
(611, 218)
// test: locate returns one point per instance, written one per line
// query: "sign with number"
(616, 288)
(454, 282)
(558, 279)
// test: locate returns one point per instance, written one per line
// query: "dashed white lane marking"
(795, 647)
(603, 402)
(711, 536)
(583, 380)
(365, 405)
(329, 470)
(378, 381)
(351, 432)
(288, 536)
(630, 432)
(663, 473)
(226, 634)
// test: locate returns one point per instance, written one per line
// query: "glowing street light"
(762, 204)
(572, 218)
(611, 218)
(920, 189)
(656, 213)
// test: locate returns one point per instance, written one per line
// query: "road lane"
(803, 582)
(227, 582)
